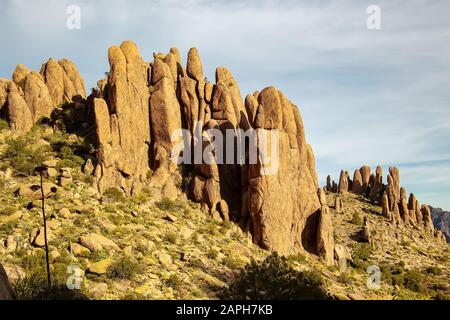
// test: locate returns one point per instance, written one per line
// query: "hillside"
(135, 210)
(172, 250)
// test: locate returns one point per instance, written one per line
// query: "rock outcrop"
(123, 123)
(397, 208)
(142, 105)
(31, 96)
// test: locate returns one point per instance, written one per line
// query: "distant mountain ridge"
(441, 220)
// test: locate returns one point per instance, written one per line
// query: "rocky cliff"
(142, 104)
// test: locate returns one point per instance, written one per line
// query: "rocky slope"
(139, 225)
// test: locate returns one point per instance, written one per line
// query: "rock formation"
(31, 96)
(357, 185)
(343, 182)
(141, 105)
(396, 206)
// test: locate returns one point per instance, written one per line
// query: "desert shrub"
(171, 237)
(196, 263)
(397, 275)
(114, 194)
(100, 255)
(356, 219)
(167, 205)
(124, 268)
(434, 270)
(8, 210)
(275, 279)
(8, 228)
(441, 296)
(3, 124)
(361, 255)
(173, 281)
(22, 158)
(345, 278)
(212, 254)
(300, 258)
(69, 158)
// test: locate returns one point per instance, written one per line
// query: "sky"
(374, 97)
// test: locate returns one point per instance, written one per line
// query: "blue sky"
(366, 96)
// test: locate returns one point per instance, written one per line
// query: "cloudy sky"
(366, 96)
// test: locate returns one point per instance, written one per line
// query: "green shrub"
(275, 279)
(397, 275)
(173, 281)
(196, 263)
(114, 194)
(171, 237)
(441, 296)
(22, 158)
(8, 210)
(125, 268)
(167, 205)
(356, 219)
(3, 124)
(212, 254)
(361, 255)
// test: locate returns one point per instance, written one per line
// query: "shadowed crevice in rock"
(309, 233)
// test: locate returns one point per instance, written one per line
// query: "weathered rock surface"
(122, 121)
(31, 96)
(97, 242)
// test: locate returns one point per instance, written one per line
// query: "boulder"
(357, 185)
(20, 117)
(37, 97)
(97, 242)
(33, 190)
(100, 267)
(78, 250)
(325, 236)
(343, 182)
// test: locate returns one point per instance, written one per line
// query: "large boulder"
(325, 236)
(97, 242)
(19, 115)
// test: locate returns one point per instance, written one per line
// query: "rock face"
(123, 123)
(31, 96)
(357, 184)
(142, 106)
